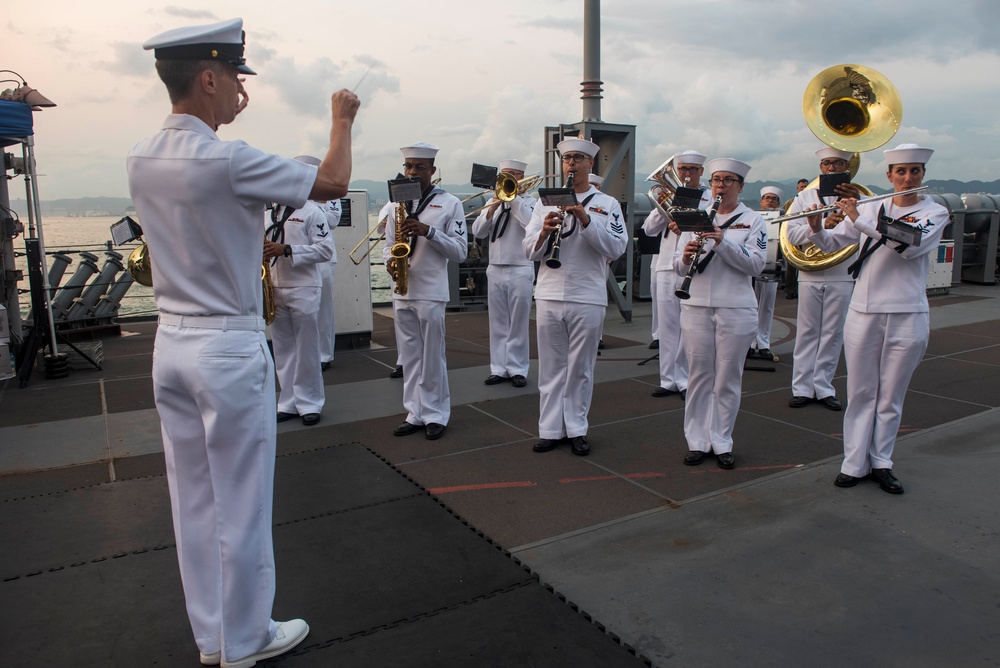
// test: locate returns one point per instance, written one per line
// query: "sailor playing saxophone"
(510, 275)
(570, 300)
(435, 228)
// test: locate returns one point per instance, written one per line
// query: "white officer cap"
(831, 153)
(577, 145)
(595, 180)
(222, 41)
(309, 160)
(420, 150)
(516, 165)
(907, 153)
(727, 165)
(689, 158)
(772, 190)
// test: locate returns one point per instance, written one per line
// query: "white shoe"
(289, 634)
(213, 659)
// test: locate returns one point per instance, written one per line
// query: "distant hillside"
(84, 206)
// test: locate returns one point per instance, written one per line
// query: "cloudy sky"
(482, 80)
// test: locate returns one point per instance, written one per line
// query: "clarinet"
(553, 262)
(683, 292)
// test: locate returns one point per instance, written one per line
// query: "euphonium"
(140, 266)
(401, 252)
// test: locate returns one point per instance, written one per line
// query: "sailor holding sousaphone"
(824, 293)
(510, 275)
(888, 324)
(719, 319)
(571, 299)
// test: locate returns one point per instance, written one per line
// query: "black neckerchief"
(276, 231)
(500, 226)
(703, 265)
(425, 199)
(572, 228)
(867, 249)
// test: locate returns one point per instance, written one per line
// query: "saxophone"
(401, 252)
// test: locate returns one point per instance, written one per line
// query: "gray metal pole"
(591, 86)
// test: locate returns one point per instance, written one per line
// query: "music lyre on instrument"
(374, 241)
(553, 261)
(684, 291)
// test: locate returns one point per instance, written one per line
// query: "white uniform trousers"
(568, 334)
(882, 350)
(716, 342)
(509, 302)
(767, 292)
(819, 337)
(420, 340)
(295, 337)
(214, 392)
(673, 361)
(327, 324)
(654, 291)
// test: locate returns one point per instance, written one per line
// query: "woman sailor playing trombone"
(887, 327)
(719, 313)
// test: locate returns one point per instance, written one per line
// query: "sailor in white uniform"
(386, 214)
(435, 229)
(570, 301)
(510, 276)
(201, 204)
(327, 311)
(298, 242)
(720, 319)
(690, 165)
(824, 295)
(766, 286)
(888, 324)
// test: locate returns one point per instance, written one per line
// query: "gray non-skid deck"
(768, 564)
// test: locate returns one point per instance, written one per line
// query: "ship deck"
(473, 550)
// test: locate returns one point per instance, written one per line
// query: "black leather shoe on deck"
(726, 460)
(309, 419)
(284, 417)
(580, 446)
(518, 381)
(887, 481)
(663, 392)
(545, 444)
(655, 345)
(406, 429)
(495, 380)
(832, 403)
(844, 480)
(397, 372)
(433, 431)
(694, 457)
(798, 402)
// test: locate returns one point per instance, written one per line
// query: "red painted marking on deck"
(473, 488)
(630, 476)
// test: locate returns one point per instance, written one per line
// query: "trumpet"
(834, 207)
(553, 261)
(684, 292)
(506, 189)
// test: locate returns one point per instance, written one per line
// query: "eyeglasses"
(575, 157)
(728, 180)
(833, 163)
(412, 167)
(690, 168)
(770, 198)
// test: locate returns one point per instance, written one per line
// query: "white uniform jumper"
(824, 297)
(718, 323)
(201, 203)
(510, 275)
(570, 303)
(419, 314)
(673, 361)
(297, 280)
(327, 323)
(887, 328)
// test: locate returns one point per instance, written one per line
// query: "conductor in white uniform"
(888, 324)
(510, 276)
(201, 204)
(719, 320)
(435, 229)
(570, 301)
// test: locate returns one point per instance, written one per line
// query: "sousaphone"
(850, 108)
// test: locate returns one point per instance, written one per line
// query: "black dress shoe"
(832, 403)
(844, 480)
(309, 419)
(766, 354)
(397, 372)
(684, 395)
(518, 381)
(323, 366)
(284, 417)
(694, 457)
(662, 392)
(406, 429)
(751, 354)
(495, 379)
(545, 444)
(433, 431)
(798, 402)
(887, 481)
(726, 460)
(579, 446)
(655, 344)
(600, 344)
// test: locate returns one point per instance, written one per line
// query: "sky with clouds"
(482, 80)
